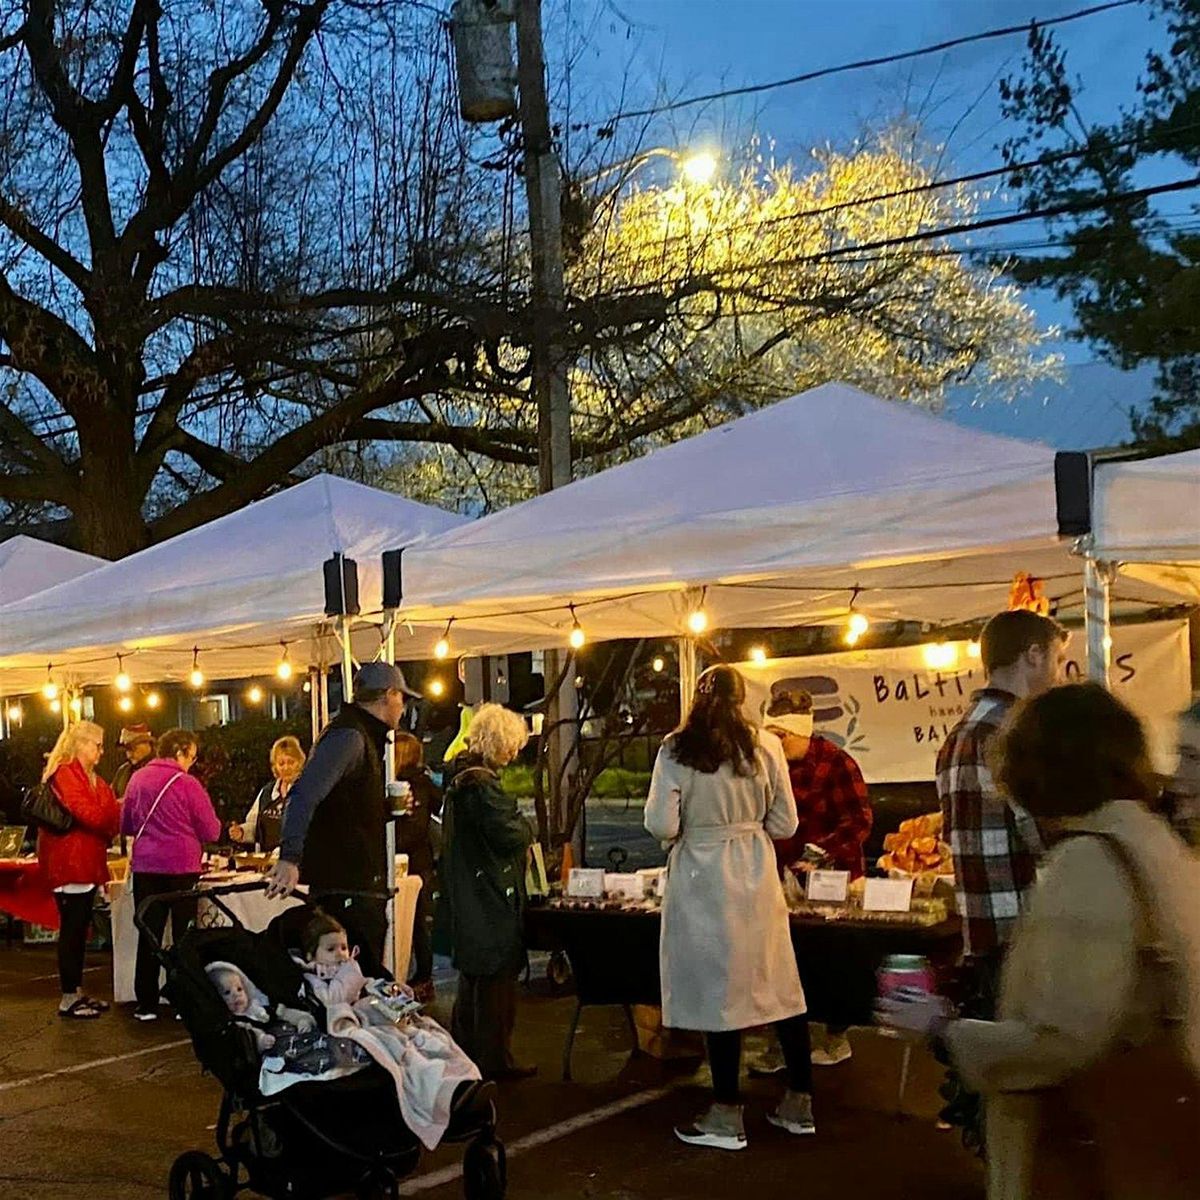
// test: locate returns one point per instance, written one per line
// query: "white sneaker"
(720, 1128)
(144, 1015)
(836, 1050)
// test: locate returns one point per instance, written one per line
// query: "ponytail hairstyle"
(716, 730)
(68, 743)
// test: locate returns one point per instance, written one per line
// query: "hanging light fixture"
(856, 623)
(15, 713)
(697, 620)
(758, 654)
(658, 665)
(441, 649)
(196, 678)
(125, 704)
(974, 650)
(578, 638)
(437, 689)
(254, 694)
(56, 705)
(77, 705)
(122, 682)
(153, 700)
(49, 688)
(284, 669)
(940, 656)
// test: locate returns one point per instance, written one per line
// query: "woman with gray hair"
(484, 842)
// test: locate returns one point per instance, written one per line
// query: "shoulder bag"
(41, 806)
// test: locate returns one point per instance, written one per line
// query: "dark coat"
(414, 835)
(483, 872)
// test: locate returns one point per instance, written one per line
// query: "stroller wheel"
(485, 1169)
(198, 1176)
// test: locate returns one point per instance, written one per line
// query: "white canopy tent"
(1146, 519)
(236, 588)
(794, 514)
(29, 565)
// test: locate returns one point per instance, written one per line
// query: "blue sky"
(693, 46)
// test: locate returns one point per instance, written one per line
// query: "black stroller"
(312, 1140)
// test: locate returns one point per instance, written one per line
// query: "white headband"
(800, 724)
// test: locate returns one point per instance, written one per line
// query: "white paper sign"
(831, 886)
(625, 886)
(586, 883)
(888, 895)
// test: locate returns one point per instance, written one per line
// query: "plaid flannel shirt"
(832, 804)
(996, 846)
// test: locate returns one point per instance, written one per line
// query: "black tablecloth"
(614, 956)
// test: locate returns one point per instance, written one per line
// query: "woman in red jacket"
(76, 862)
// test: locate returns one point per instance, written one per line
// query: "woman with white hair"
(76, 862)
(484, 843)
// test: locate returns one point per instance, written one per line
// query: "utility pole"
(543, 191)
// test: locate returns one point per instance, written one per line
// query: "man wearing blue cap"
(335, 821)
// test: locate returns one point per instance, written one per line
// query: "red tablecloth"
(25, 893)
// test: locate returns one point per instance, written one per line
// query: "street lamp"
(699, 169)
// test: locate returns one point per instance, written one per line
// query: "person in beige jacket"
(1091, 1071)
(719, 793)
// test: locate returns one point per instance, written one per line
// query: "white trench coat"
(725, 953)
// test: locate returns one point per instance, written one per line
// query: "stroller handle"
(214, 894)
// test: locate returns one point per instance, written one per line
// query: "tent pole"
(314, 700)
(687, 675)
(1097, 615)
(347, 660)
(389, 774)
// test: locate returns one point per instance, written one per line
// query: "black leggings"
(74, 917)
(725, 1058)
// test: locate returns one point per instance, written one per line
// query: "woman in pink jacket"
(170, 817)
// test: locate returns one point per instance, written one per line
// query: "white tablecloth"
(253, 910)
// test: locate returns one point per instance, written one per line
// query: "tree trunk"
(108, 517)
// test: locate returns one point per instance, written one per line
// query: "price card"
(888, 895)
(830, 886)
(586, 883)
(624, 885)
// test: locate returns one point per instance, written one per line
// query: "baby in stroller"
(251, 1008)
(383, 1019)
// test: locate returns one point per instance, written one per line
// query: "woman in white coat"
(719, 794)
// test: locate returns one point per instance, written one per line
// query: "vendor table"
(253, 911)
(25, 893)
(614, 958)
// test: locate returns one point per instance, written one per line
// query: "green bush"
(235, 759)
(613, 783)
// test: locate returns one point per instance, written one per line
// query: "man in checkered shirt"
(995, 845)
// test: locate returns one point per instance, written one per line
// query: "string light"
(125, 704)
(153, 699)
(856, 623)
(578, 638)
(56, 705)
(974, 650)
(441, 649)
(758, 654)
(284, 669)
(122, 682)
(697, 620)
(940, 655)
(76, 705)
(196, 678)
(307, 686)
(255, 694)
(49, 688)
(15, 713)
(437, 688)
(658, 665)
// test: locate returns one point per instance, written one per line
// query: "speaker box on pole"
(341, 587)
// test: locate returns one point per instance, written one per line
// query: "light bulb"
(658, 664)
(56, 705)
(76, 705)
(122, 682)
(442, 648)
(578, 638)
(50, 689)
(307, 686)
(196, 678)
(125, 704)
(700, 168)
(974, 650)
(284, 670)
(858, 624)
(698, 621)
(255, 694)
(14, 712)
(758, 654)
(153, 699)
(437, 688)
(850, 638)
(940, 655)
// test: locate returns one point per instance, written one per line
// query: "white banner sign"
(892, 712)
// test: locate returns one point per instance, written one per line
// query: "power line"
(860, 64)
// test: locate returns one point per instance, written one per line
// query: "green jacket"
(484, 839)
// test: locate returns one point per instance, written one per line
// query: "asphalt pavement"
(99, 1110)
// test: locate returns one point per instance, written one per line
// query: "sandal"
(102, 1005)
(82, 1009)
